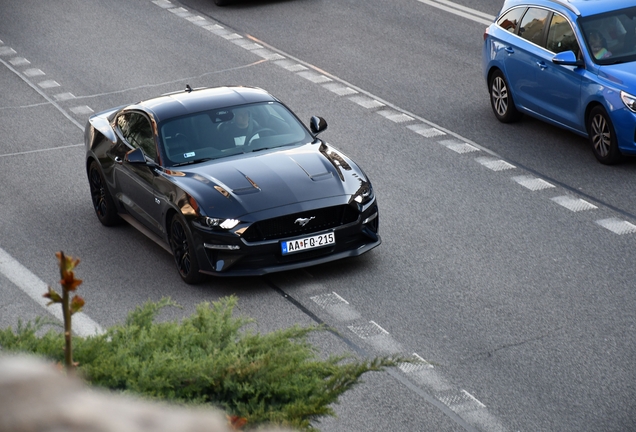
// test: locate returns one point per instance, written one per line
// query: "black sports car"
(231, 181)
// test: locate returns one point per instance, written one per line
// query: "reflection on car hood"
(623, 75)
(272, 178)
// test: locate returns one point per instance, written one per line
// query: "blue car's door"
(524, 56)
(558, 91)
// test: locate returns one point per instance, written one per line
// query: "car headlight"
(629, 101)
(226, 224)
(364, 194)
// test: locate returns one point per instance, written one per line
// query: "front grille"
(286, 226)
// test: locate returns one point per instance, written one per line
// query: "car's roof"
(578, 7)
(191, 101)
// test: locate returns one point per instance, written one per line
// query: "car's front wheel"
(602, 136)
(102, 200)
(501, 100)
(182, 248)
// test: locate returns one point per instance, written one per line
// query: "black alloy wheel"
(183, 251)
(501, 100)
(602, 137)
(102, 200)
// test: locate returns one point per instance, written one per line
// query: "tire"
(501, 100)
(103, 203)
(182, 248)
(602, 136)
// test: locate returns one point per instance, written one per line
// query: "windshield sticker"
(188, 155)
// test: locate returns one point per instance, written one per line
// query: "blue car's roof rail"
(568, 5)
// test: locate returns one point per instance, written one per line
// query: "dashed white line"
(573, 204)
(495, 164)
(617, 226)
(533, 183)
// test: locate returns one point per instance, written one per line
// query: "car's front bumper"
(234, 256)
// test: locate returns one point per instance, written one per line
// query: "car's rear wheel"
(102, 200)
(183, 251)
(602, 136)
(501, 100)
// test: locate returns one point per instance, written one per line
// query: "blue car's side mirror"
(567, 58)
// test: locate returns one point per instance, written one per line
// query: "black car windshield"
(229, 131)
(611, 36)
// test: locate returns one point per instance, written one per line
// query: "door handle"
(509, 50)
(542, 65)
(118, 160)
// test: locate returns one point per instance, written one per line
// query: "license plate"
(303, 244)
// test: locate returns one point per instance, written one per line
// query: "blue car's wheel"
(501, 100)
(182, 248)
(602, 136)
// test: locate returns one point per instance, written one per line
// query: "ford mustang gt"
(230, 181)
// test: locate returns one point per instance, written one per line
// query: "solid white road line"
(35, 288)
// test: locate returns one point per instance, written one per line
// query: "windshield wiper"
(195, 161)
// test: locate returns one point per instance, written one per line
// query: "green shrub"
(208, 358)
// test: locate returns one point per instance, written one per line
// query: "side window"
(561, 36)
(510, 20)
(137, 131)
(533, 24)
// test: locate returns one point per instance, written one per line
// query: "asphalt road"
(507, 260)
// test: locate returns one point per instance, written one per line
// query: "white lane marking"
(573, 204)
(339, 89)
(63, 96)
(330, 299)
(336, 306)
(458, 146)
(461, 11)
(495, 164)
(617, 226)
(395, 116)
(82, 110)
(19, 61)
(33, 72)
(163, 4)
(426, 130)
(40, 150)
(6, 51)
(533, 183)
(35, 288)
(48, 84)
(314, 77)
(365, 331)
(366, 102)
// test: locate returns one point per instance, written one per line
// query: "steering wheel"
(262, 132)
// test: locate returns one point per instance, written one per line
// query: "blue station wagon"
(571, 63)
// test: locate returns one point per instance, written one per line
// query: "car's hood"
(622, 75)
(254, 182)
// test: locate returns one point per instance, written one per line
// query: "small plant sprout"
(70, 306)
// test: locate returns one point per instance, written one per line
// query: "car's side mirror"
(317, 125)
(567, 58)
(137, 157)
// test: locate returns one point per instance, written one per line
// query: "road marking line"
(461, 11)
(533, 183)
(35, 288)
(617, 226)
(495, 164)
(573, 204)
(459, 146)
